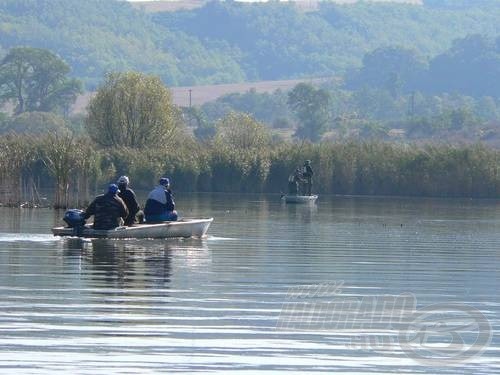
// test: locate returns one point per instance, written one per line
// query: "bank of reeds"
(76, 170)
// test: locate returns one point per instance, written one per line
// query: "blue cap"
(113, 189)
(164, 181)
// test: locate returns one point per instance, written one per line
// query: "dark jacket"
(308, 172)
(159, 201)
(107, 210)
(128, 196)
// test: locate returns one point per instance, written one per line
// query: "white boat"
(169, 229)
(299, 198)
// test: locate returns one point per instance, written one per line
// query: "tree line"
(453, 95)
(36, 83)
(133, 128)
(469, 67)
(364, 113)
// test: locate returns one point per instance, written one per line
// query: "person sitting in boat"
(307, 174)
(294, 181)
(160, 204)
(128, 196)
(108, 209)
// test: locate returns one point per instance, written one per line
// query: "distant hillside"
(96, 37)
(155, 6)
(167, 6)
(230, 42)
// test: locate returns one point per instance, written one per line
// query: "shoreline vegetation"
(77, 169)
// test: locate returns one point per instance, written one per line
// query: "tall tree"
(36, 80)
(471, 66)
(133, 110)
(241, 132)
(241, 153)
(395, 69)
(311, 106)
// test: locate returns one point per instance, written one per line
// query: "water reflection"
(131, 263)
(301, 212)
(127, 264)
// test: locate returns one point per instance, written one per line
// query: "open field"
(208, 93)
(153, 6)
(167, 6)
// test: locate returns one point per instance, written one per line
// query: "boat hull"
(170, 229)
(300, 198)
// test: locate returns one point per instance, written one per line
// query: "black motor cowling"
(74, 218)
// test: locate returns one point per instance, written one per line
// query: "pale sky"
(263, 1)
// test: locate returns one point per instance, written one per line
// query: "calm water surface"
(259, 293)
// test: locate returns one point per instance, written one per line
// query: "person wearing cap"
(108, 209)
(160, 204)
(128, 196)
(307, 174)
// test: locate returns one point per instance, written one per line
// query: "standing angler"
(307, 175)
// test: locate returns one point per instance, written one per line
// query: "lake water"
(350, 285)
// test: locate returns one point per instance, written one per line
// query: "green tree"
(242, 132)
(265, 107)
(470, 66)
(486, 108)
(36, 80)
(240, 157)
(395, 69)
(133, 110)
(203, 129)
(310, 105)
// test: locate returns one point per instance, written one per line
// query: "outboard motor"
(74, 218)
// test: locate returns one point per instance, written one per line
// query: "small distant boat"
(299, 198)
(169, 229)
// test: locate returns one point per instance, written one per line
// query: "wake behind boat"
(170, 229)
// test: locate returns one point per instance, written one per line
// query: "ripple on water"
(220, 304)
